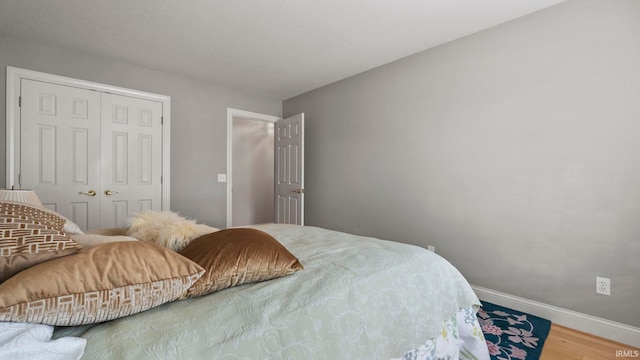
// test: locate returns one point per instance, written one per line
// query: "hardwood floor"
(567, 344)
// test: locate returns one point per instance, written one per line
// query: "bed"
(357, 297)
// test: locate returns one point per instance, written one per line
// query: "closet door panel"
(60, 148)
(131, 173)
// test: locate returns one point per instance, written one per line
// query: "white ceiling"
(274, 48)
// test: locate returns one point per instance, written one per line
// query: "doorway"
(250, 167)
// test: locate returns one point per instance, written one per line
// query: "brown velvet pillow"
(30, 235)
(102, 283)
(238, 256)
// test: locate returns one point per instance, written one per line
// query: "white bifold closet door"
(94, 157)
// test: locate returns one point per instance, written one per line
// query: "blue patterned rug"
(512, 334)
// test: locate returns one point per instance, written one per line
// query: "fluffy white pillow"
(166, 228)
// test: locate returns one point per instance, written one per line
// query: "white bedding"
(24, 341)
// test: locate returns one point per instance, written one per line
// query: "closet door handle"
(109, 192)
(90, 193)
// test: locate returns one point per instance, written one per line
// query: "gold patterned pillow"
(104, 282)
(30, 235)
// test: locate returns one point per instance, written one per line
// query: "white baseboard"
(607, 329)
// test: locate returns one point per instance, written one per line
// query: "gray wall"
(198, 118)
(515, 151)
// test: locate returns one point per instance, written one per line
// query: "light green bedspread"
(356, 298)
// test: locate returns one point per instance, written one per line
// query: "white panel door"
(289, 169)
(60, 149)
(131, 157)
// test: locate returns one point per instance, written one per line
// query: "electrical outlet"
(603, 286)
(431, 248)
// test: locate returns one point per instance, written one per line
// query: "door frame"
(14, 77)
(231, 113)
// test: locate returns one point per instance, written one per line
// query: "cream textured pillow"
(30, 235)
(89, 240)
(166, 228)
(238, 256)
(102, 283)
(72, 228)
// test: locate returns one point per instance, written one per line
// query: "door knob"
(298, 191)
(109, 192)
(90, 193)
